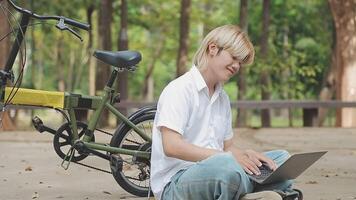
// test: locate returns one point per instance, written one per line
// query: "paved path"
(29, 168)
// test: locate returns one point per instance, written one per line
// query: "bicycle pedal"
(116, 164)
(38, 124)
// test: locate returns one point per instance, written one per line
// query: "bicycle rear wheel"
(134, 173)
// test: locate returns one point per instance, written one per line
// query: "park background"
(303, 72)
(305, 51)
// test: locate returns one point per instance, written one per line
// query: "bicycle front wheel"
(133, 175)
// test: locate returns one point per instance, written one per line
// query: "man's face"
(224, 65)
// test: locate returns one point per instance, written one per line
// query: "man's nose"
(236, 65)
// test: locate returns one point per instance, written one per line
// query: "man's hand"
(249, 160)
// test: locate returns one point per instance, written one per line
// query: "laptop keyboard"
(265, 172)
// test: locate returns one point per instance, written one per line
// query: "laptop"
(290, 169)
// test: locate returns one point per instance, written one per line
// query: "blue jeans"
(219, 177)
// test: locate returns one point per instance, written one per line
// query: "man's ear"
(213, 49)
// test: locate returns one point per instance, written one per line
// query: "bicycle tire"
(124, 137)
(142, 111)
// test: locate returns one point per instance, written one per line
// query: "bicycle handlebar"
(43, 17)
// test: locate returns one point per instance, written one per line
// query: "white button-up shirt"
(186, 107)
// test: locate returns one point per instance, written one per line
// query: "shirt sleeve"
(229, 131)
(173, 109)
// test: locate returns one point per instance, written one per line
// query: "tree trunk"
(91, 60)
(59, 62)
(344, 14)
(71, 71)
(285, 74)
(329, 88)
(241, 81)
(123, 44)
(147, 90)
(6, 123)
(103, 70)
(82, 115)
(182, 58)
(265, 79)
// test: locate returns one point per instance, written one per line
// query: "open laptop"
(290, 169)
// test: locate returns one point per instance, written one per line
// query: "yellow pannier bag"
(36, 97)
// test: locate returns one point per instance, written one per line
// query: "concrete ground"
(30, 169)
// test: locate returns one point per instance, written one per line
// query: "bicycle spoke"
(64, 143)
(133, 141)
(134, 136)
(66, 137)
(129, 177)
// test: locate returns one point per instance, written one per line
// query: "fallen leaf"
(29, 168)
(311, 182)
(106, 192)
(35, 195)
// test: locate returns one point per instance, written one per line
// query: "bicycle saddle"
(121, 59)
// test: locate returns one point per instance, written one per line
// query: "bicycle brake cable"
(23, 57)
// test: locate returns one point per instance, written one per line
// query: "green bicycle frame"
(99, 104)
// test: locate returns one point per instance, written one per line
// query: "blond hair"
(230, 38)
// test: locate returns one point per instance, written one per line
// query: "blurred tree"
(241, 79)
(90, 62)
(6, 122)
(298, 58)
(265, 79)
(82, 115)
(344, 15)
(123, 44)
(105, 43)
(182, 57)
(150, 38)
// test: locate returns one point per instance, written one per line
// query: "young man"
(193, 156)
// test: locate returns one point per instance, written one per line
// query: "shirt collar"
(200, 82)
(198, 78)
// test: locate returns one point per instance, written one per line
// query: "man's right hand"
(250, 160)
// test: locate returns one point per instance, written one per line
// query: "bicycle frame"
(104, 103)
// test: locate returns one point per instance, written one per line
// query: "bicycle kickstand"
(67, 159)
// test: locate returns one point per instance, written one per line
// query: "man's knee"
(223, 160)
(279, 156)
(283, 155)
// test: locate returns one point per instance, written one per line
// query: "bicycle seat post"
(112, 78)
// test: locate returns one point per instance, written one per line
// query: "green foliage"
(299, 48)
(300, 36)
